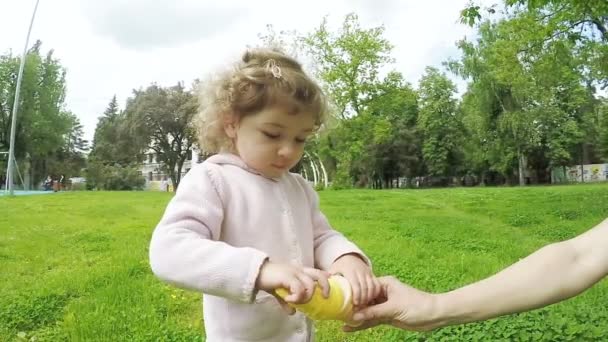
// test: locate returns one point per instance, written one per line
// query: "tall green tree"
(116, 153)
(112, 142)
(530, 93)
(582, 22)
(439, 123)
(162, 118)
(70, 160)
(602, 114)
(42, 122)
(393, 147)
(348, 63)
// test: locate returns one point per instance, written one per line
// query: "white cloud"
(144, 24)
(113, 46)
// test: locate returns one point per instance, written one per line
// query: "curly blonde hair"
(262, 78)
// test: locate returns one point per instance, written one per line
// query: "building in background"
(152, 171)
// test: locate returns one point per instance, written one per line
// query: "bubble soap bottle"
(338, 306)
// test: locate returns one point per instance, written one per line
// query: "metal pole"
(11, 152)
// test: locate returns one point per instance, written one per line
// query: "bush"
(114, 177)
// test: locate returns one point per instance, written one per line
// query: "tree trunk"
(587, 154)
(31, 170)
(582, 162)
(173, 180)
(522, 167)
(27, 166)
(178, 176)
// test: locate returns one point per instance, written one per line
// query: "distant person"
(48, 183)
(240, 225)
(55, 184)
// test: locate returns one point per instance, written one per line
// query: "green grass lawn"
(74, 266)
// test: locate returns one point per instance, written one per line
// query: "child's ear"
(230, 125)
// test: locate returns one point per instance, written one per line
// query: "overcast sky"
(113, 46)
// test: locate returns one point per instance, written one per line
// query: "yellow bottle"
(338, 306)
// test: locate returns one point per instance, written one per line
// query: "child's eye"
(300, 140)
(270, 135)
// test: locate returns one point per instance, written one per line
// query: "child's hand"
(300, 281)
(364, 284)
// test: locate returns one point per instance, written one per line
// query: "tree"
(569, 15)
(393, 147)
(112, 142)
(162, 118)
(439, 123)
(603, 127)
(530, 95)
(43, 122)
(70, 160)
(287, 41)
(75, 143)
(347, 64)
(116, 153)
(582, 22)
(398, 155)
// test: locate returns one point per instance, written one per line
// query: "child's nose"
(286, 150)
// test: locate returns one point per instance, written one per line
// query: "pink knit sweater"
(224, 221)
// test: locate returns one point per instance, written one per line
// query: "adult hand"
(401, 306)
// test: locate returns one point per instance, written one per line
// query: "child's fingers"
(308, 287)
(324, 284)
(356, 287)
(363, 289)
(377, 288)
(296, 290)
(371, 289)
(321, 278)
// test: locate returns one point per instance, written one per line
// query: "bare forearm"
(533, 282)
(553, 273)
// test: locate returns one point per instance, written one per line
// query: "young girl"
(240, 225)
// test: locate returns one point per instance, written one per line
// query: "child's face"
(271, 141)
